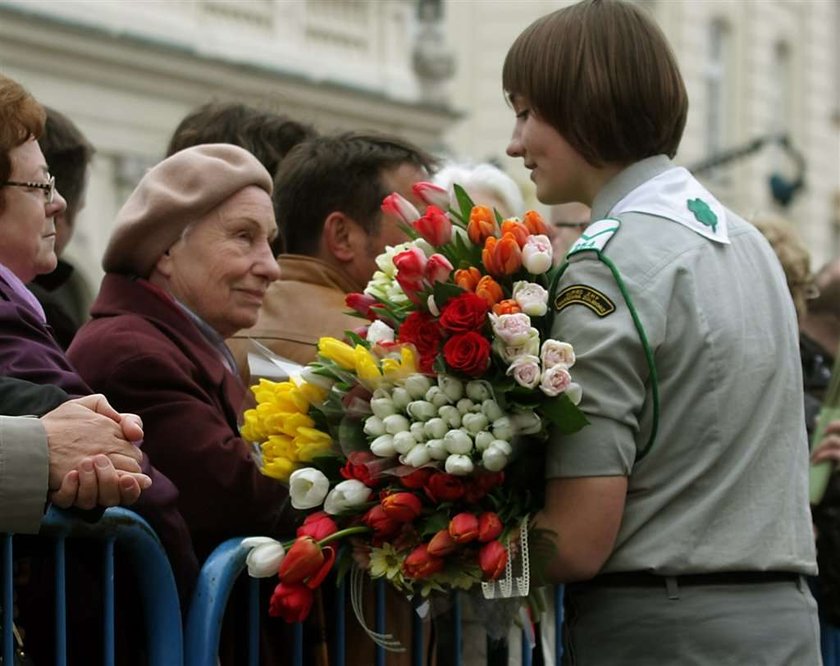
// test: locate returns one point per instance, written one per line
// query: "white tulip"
(493, 460)
(434, 310)
(395, 423)
(491, 410)
(379, 331)
(435, 428)
(346, 495)
(382, 407)
(374, 426)
(420, 410)
(452, 386)
(401, 397)
(417, 385)
(308, 487)
(437, 449)
(265, 556)
(457, 441)
(537, 254)
(526, 423)
(418, 456)
(479, 390)
(503, 428)
(483, 439)
(451, 415)
(474, 423)
(458, 465)
(404, 442)
(383, 446)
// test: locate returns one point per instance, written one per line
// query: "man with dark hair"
(268, 136)
(327, 199)
(63, 292)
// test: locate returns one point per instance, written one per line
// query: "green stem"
(359, 529)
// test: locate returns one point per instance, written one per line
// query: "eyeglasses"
(570, 225)
(48, 187)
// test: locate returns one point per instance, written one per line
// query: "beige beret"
(180, 190)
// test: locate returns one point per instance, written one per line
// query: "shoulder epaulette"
(596, 236)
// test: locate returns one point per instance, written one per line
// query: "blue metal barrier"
(158, 593)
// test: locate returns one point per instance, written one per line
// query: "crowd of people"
(680, 514)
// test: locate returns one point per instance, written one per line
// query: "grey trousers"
(763, 624)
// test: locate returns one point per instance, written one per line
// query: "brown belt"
(647, 579)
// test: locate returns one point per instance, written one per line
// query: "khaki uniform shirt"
(24, 474)
(724, 485)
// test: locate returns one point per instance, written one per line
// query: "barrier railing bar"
(108, 647)
(60, 602)
(8, 601)
(340, 624)
(527, 650)
(379, 618)
(297, 654)
(457, 633)
(253, 621)
(558, 622)
(417, 632)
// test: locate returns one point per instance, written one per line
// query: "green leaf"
(433, 524)
(565, 416)
(465, 203)
(443, 291)
(355, 339)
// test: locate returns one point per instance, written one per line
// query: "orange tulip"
(467, 278)
(502, 256)
(519, 231)
(507, 306)
(489, 290)
(535, 224)
(482, 224)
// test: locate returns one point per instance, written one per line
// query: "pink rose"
(555, 381)
(525, 370)
(536, 254)
(555, 352)
(514, 330)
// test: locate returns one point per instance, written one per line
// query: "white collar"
(677, 196)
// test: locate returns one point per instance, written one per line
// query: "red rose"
(464, 313)
(291, 601)
(443, 487)
(422, 331)
(468, 353)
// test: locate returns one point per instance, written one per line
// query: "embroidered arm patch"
(581, 294)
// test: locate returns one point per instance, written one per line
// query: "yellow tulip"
(367, 369)
(314, 394)
(338, 352)
(280, 469)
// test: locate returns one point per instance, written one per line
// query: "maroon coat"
(143, 352)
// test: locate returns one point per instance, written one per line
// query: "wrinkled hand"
(829, 446)
(92, 458)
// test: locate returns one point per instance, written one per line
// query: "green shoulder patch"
(581, 294)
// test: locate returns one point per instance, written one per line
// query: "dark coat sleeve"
(190, 439)
(22, 398)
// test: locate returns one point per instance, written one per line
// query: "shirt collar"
(22, 292)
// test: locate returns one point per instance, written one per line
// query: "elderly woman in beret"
(188, 265)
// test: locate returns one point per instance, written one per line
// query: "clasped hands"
(93, 456)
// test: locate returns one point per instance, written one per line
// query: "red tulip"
(492, 559)
(317, 525)
(463, 528)
(443, 487)
(377, 520)
(402, 507)
(411, 266)
(400, 207)
(420, 564)
(361, 303)
(442, 544)
(434, 226)
(489, 526)
(417, 478)
(431, 195)
(303, 560)
(438, 269)
(291, 601)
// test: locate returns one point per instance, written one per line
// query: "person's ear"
(339, 236)
(163, 267)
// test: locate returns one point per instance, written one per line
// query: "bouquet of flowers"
(404, 441)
